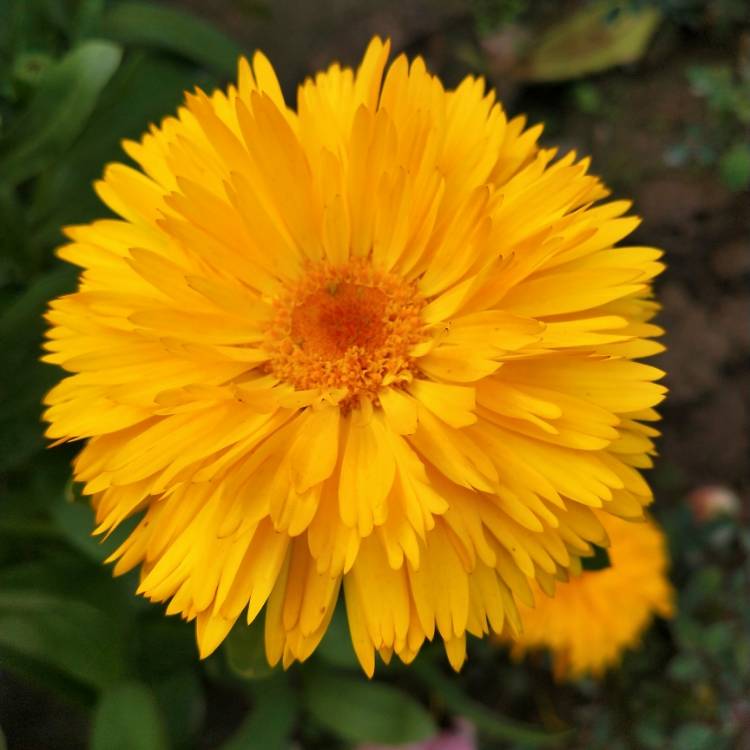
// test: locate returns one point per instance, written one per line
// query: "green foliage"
(723, 141)
(246, 650)
(587, 97)
(727, 95)
(127, 718)
(491, 15)
(63, 101)
(75, 81)
(148, 25)
(487, 721)
(686, 688)
(361, 711)
(270, 723)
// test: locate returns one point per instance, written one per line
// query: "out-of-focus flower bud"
(712, 501)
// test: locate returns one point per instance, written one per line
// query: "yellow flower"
(382, 341)
(599, 614)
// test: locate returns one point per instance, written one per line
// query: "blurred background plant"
(658, 91)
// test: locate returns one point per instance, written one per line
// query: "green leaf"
(734, 167)
(153, 25)
(487, 721)
(600, 35)
(70, 636)
(14, 235)
(336, 646)
(271, 721)
(361, 711)
(182, 703)
(246, 650)
(62, 104)
(21, 430)
(142, 91)
(29, 68)
(61, 574)
(128, 718)
(23, 379)
(26, 309)
(28, 25)
(87, 17)
(151, 657)
(76, 522)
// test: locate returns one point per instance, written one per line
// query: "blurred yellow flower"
(599, 614)
(383, 341)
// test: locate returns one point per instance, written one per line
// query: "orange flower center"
(332, 320)
(347, 327)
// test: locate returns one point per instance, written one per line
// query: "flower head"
(599, 614)
(381, 342)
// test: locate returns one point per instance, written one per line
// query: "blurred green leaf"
(487, 721)
(76, 522)
(29, 68)
(363, 711)
(29, 25)
(727, 95)
(182, 703)
(63, 574)
(23, 379)
(246, 649)
(688, 632)
(128, 718)
(154, 630)
(73, 637)
(734, 166)
(491, 15)
(695, 736)
(13, 237)
(21, 430)
(686, 668)
(714, 84)
(87, 17)
(649, 737)
(600, 35)
(719, 639)
(336, 646)
(62, 104)
(161, 27)
(271, 720)
(587, 98)
(26, 309)
(142, 91)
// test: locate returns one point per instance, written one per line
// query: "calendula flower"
(599, 614)
(383, 341)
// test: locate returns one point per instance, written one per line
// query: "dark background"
(670, 129)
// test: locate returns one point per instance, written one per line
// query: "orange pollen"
(347, 327)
